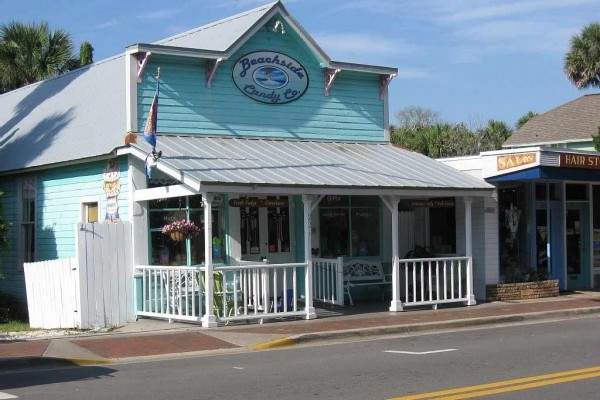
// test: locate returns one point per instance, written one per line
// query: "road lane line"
(4, 395)
(523, 387)
(539, 380)
(419, 353)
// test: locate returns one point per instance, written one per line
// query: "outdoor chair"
(281, 305)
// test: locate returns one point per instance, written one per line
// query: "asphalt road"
(388, 368)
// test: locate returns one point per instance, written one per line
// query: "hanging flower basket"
(181, 229)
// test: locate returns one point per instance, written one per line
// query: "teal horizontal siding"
(13, 283)
(58, 209)
(352, 111)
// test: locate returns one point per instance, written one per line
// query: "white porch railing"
(328, 280)
(422, 281)
(433, 281)
(174, 293)
(241, 292)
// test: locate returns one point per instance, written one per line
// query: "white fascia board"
(163, 192)
(164, 167)
(174, 51)
(318, 190)
(372, 69)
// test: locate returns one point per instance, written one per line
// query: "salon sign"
(270, 77)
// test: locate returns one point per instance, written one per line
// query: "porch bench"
(363, 273)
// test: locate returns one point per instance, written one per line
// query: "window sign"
(270, 77)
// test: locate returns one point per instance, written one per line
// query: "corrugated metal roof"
(76, 115)
(219, 35)
(576, 120)
(219, 160)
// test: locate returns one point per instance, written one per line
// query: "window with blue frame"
(349, 226)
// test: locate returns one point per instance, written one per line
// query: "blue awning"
(550, 173)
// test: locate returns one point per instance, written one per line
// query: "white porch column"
(469, 251)
(392, 203)
(307, 201)
(209, 320)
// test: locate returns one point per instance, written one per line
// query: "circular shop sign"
(270, 77)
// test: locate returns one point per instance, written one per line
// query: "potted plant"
(181, 229)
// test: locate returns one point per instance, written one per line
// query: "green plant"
(518, 275)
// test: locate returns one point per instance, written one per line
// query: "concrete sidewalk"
(148, 339)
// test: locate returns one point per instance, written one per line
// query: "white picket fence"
(240, 292)
(94, 290)
(53, 294)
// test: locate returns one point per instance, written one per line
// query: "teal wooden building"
(278, 154)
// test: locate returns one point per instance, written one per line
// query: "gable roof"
(82, 113)
(239, 164)
(221, 35)
(76, 115)
(222, 38)
(575, 121)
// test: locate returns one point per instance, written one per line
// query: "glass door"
(266, 228)
(577, 243)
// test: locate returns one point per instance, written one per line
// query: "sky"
(468, 60)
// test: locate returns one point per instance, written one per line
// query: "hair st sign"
(270, 77)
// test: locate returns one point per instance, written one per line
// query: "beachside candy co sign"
(270, 77)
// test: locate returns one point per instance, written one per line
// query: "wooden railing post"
(307, 201)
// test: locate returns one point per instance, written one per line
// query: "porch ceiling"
(219, 162)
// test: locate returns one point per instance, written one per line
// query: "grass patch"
(14, 326)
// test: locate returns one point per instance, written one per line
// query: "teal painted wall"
(58, 196)
(58, 207)
(589, 146)
(353, 110)
(14, 280)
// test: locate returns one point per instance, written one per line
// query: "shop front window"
(349, 226)
(167, 251)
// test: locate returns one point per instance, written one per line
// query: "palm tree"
(523, 120)
(30, 53)
(582, 62)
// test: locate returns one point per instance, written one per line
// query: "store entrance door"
(266, 229)
(577, 241)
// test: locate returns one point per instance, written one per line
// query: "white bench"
(363, 273)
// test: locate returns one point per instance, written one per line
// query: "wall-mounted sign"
(270, 77)
(433, 203)
(515, 160)
(258, 202)
(579, 161)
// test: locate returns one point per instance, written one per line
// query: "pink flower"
(188, 228)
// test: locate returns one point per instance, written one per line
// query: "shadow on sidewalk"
(44, 372)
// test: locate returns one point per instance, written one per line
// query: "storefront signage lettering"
(579, 161)
(270, 77)
(442, 203)
(515, 160)
(258, 203)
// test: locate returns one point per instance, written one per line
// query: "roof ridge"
(215, 23)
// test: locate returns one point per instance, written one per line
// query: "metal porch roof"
(244, 161)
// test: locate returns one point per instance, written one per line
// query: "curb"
(12, 364)
(423, 327)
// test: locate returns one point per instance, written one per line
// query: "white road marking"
(4, 395)
(420, 353)
(238, 367)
